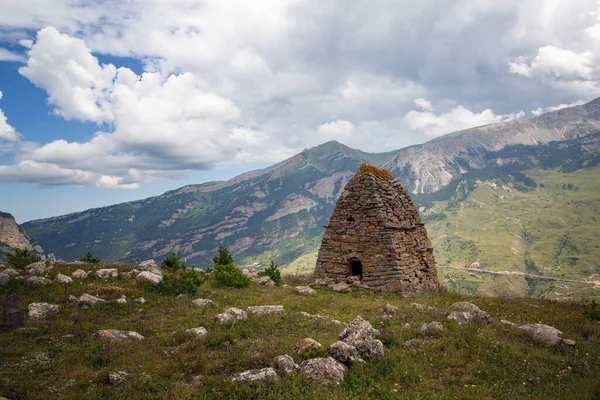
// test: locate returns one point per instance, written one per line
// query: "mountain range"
(511, 208)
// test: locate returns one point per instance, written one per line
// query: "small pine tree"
(272, 271)
(179, 280)
(225, 273)
(90, 258)
(224, 257)
(22, 258)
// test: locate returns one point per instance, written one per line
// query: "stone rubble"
(60, 278)
(87, 299)
(469, 313)
(319, 316)
(38, 281)
(285, 365)
(431, 328)
(36, 268)
(360, 334)
(79, 274)
(197, 332)
(149, 266)
(264, 280)
(306, 344)
(305, 290)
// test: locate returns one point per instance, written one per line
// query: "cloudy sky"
(108, 101)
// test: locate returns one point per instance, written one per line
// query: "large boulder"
(256, 375)
(38, 281)
(42, 310)
(107, 273)
(344, 353)
(147, 276)
(35, 269)
(150, 266)
(60, 278)
(115, 335)
(10, 272)
(546, 333)
(324, 371)
(231, 314)
(468, 313)
(360, 334)
(265, 310)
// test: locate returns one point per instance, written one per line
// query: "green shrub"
(22, 258)
(90, 258)
(225, 273)
(172, 263)
(594, 313)
(272, 271)
(179, 280)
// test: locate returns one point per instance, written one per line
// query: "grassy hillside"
(471, 361)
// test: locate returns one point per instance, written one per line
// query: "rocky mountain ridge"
(277, 213)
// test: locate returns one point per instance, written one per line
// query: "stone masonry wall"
(376, 222)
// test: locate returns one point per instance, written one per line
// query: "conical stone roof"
(375, 231)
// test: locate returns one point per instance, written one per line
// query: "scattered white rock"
(308, 315)
(421, 307)
(10, 272)
(340, 287)
(106, 273)
(150, 266)
(324, 371)
(431, 328)
(79, 274)
(546, 333)
(264, 280)
(390, 309)
(265, 310)
(36, 268)
(87, 299)
(197, 332)
(39, 281)
(122, 301)
(204, 302)
(231, 314)
(147, 276)
(256, 375)
(115, 335)
(140, 300)
(508, 323)
(42, 310)
(285, 365)
(60, 278)
(118, 377)
(469, 313)
(305, 290)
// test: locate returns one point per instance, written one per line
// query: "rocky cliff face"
(12, 235)
(429, 167)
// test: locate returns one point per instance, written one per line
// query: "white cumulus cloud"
(7, 132)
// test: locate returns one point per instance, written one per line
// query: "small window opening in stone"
(350, 219)
(356, 268)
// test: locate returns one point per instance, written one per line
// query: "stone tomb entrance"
(375, 233)
(356, 267)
